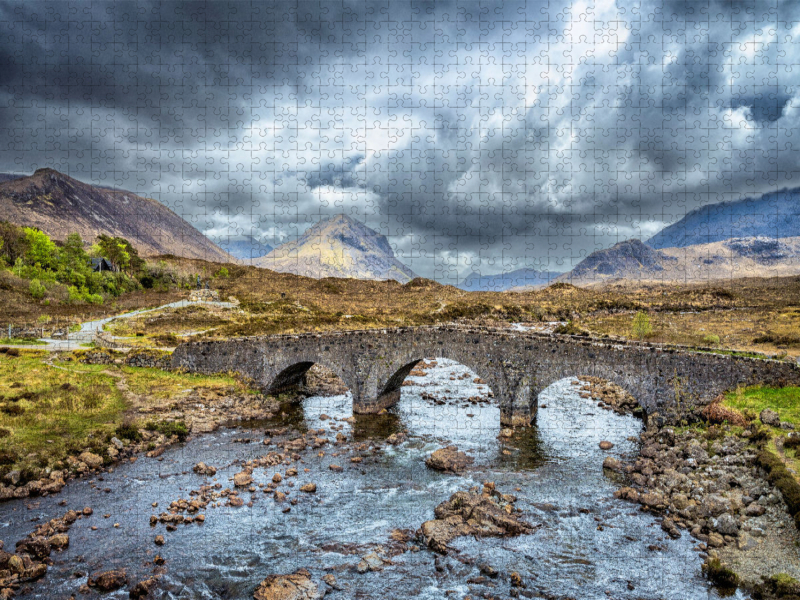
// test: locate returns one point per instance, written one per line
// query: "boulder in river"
(448, 459)
(202, 468)
(108, 581)
(487, 514)
(297, 586)
(242, 479)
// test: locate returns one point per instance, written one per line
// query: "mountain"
(59, 205)
(475, 282)
(338, 247)
(729, 259)
(774, 215)
(247, 250)
(631, 259)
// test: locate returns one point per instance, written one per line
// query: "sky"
(478, 136)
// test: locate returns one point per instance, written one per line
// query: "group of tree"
(32, 255)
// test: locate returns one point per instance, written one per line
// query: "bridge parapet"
(517, 366)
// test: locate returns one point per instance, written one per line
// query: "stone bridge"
(517, 366)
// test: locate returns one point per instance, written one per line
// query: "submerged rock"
(108, 581)
(487, 514)
(297, 586)
(202, 468)
(448, 460)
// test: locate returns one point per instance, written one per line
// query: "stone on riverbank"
(91, 460)
(297, 586)
(449, 460)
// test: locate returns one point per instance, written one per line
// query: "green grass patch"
(785, 401)
(7, 341)
(160, 384)
(50, 413)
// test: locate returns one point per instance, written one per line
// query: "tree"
(73, 253)
(120, 252)
(641, 327)
(13, 243)
(41, 249)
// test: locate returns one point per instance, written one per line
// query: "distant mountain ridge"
(59, 205)
(338, 247)
(247, 250)
(738, 257)
(475, 282)
(774, 215)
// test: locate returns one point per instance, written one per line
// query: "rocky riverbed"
(315, 500)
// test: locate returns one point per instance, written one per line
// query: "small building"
(101, 264)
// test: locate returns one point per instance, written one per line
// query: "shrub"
(169, 428)
(128, 431)
(711, 340)
(717, 413)
(223, 272)
(44, 319)
(720, 574)
(37, 289)
(641, 327)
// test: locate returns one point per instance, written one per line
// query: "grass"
(7, 341)
(49, 413)
(785, 401)
(161, 385)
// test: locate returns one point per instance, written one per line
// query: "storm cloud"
(477, 136)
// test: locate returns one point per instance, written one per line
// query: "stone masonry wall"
(517, 366)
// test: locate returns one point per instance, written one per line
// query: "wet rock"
(488, 570)
(449, 460)
(506, 432)
(487, 514)
(297, 586)
(309, 488)
(612, 463)
(396, 438)
(516, 580)
(277, 478)
(202, 468)
(371, 562)
(604, 445)
(108, 581)
(335, 468)
(15, 564)
(142, 589)
(91, 460)
(242, 479)
(59, 541)
(159, 541)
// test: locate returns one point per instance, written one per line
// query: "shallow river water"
(586, 545)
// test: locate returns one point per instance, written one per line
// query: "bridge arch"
(395, 372)
(290, 374)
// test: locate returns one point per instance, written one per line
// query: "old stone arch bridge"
(517, 366)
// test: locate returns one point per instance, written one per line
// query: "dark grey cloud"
(477, 136)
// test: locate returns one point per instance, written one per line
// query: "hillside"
(475, 282)
(59, 205)
(338, 247)
(774, 215)
(734, 258)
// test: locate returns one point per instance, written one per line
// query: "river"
(587, 544)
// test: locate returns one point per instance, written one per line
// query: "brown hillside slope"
(59, 205)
